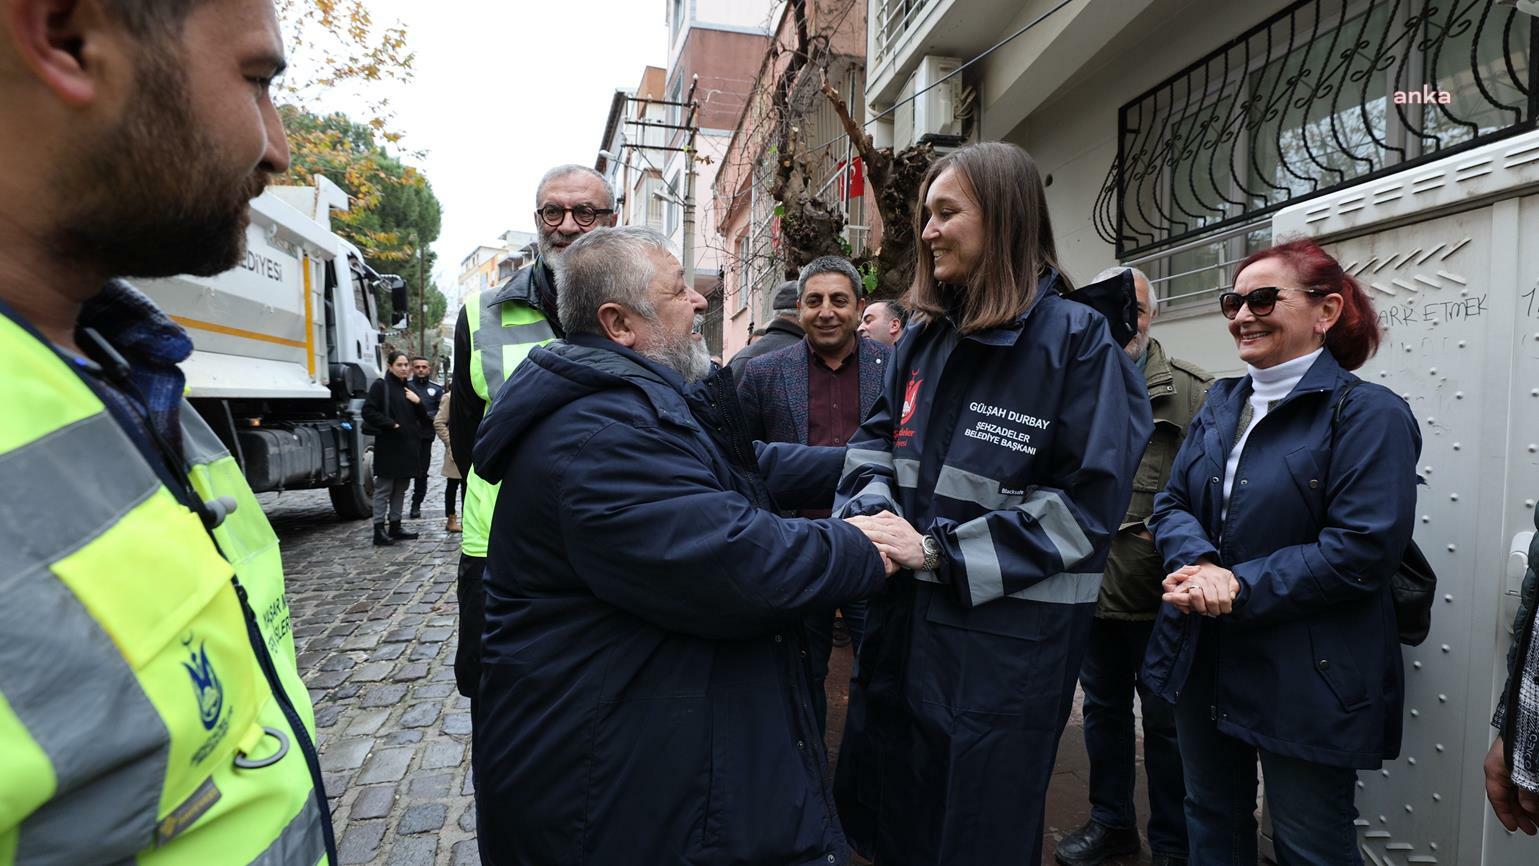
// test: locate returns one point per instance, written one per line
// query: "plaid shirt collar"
(151, 343)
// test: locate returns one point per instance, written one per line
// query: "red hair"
(1355, 336)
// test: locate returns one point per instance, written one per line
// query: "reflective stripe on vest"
(128, 685)
(499, 342)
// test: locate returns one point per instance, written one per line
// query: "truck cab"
(286, 345)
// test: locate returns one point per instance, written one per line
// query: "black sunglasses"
(1260, 300)
(583, 215)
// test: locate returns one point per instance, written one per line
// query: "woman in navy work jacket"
(1004, 448)
(1281, 528)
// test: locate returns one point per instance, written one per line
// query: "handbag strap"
(1336, 414)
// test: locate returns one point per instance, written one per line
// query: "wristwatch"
(932, 552)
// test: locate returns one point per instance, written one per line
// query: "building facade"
(489, 264)
(745, 214)
(714, 47)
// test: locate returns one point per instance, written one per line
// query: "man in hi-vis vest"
(496, 329)
(150, 707)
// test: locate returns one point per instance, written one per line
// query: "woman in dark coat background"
(394, 412)
(1289, 508)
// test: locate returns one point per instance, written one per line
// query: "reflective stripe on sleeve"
(300, 844)
(39, 526)
(109, 776)
(985, 576)
(1055, 518)
(200, 444)
(906, 473)
(877, 488)
(856, 459)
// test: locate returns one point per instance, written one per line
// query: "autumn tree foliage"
(339, 54)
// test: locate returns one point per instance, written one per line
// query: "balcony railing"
(892, 21)
(1323, 95)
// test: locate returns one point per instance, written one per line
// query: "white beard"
(688, 357)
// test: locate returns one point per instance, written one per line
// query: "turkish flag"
(857, 178)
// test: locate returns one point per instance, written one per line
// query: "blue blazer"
(773, 390)
(1308, 664)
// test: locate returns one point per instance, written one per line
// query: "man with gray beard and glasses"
(493, 333)
(640, 665)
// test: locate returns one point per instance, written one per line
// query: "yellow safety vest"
(500, 339)
(151, 710)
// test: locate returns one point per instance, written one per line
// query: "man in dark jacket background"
(642, 699)
(815, 392)
(431, 394)
(1124, 619)
(782, 331)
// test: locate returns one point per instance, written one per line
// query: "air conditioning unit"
(931, 116)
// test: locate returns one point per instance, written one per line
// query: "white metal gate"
(1450, 254)
(1456, 297)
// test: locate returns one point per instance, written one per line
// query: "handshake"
(900, 545)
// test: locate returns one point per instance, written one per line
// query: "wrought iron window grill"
(1323, 95)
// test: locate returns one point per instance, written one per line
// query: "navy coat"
(1016, 447)
(643, 697)
(773, 389)
(1308, 664)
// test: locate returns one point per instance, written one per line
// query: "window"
(744, 275)
(1322, 95)
(655, 204)
(675, 19)
(674, 211)
(676, 96)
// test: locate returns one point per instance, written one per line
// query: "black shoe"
(1168, 860)
(1095, 842)
(381, 539)
(400, 534)
(416, 512)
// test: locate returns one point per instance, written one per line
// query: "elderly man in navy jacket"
(642, 699)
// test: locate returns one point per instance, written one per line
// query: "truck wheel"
(355, 500)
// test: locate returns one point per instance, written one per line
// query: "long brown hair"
(1018, 237)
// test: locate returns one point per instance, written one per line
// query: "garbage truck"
(286, 345)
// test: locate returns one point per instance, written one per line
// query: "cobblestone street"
(374, 627)
(375, 630)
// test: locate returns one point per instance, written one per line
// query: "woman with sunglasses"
(1287, 511)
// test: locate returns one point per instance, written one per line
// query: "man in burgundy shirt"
(816, 392)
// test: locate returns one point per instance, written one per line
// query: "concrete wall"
(1073, 138)
(726, 63)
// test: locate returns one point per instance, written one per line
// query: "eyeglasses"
(1260, 300)
(553, 214)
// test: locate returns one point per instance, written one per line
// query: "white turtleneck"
(1266, 387)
